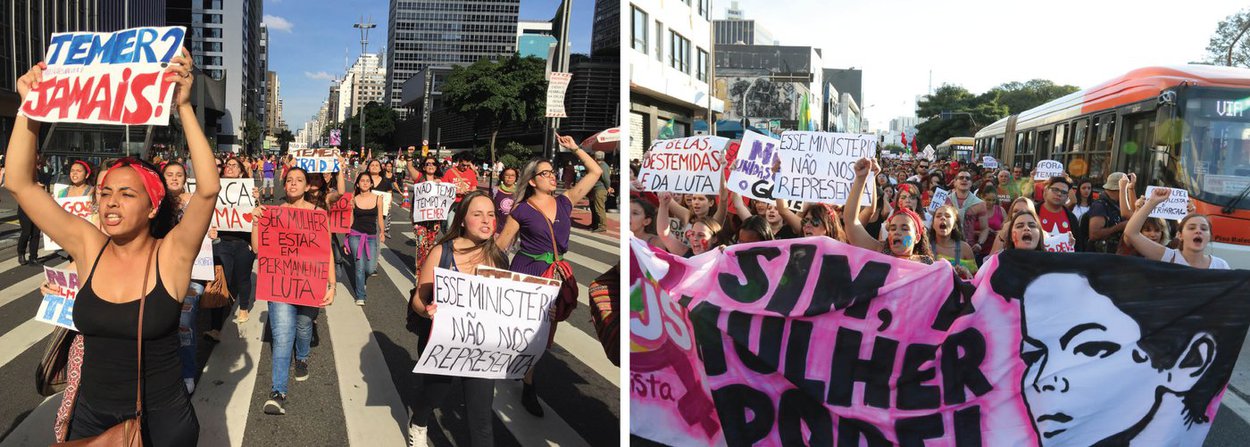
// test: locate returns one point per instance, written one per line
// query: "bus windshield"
(1215, 150)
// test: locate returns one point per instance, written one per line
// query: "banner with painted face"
(1039, 349)
(107, 78)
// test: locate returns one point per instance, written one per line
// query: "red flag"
(904, 139)
(914, 148)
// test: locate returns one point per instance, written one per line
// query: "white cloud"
(277, 23)
(320, 75)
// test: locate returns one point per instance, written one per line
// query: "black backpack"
(1108, 245)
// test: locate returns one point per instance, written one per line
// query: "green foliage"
(494, 93)
(967, 113)
(516, 152)
(379, 128)
(252, 132)
(285, 137)
(894, 148)
(1228, 30)
(1018, 97)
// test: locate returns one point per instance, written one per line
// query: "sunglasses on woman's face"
(813, 222)
(430, 163)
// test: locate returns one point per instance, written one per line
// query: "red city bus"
(1182, 127)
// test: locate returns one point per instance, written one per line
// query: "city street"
(361, 386)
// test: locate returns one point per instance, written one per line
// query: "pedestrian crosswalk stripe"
(14, 292)
(372, 408)
(595, 242)
(590, 264)
(229, 380)
(21, 338)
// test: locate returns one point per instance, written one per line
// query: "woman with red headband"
(905, 231)
(79, 181)
(135, 240)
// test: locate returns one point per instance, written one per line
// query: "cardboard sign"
(58, 309)
(808, 340)
(80, 206)
(557, 85)
(989, 162)
(234, 204)
(1047, 169)
(684, 166)
(820, 166)
(386, 201)
(751, 173)
(487, 328)
(431, 200)
(336, 137)
(1176, 207)
(293, 257)
(341, 214)
(203, 270)
(938, 199)
(317, 160)
(106, 78)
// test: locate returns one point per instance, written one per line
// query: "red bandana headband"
(915, 218)
(84, 166)
(151, 181)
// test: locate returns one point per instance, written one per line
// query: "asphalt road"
(361, 388)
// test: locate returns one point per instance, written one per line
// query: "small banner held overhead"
(556, 87)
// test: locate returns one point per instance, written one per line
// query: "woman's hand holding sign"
(179, 72)
(31, 79)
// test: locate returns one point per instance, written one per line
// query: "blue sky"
(309, 40)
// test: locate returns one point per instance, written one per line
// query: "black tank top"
(109, 357)
(364, 220)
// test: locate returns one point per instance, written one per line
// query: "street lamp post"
(364, 27)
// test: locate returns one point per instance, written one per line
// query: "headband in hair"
(151, 180)
(915, 218)
(84, 166)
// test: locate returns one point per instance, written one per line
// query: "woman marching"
(115, 310)
(468, 244)
(291, 324)
(503, 195)
(79, 181)
(367, 232)
(175, 175)
(425, 234)
(232, 252)
(906, 237)
(1192, 240)
(542, 221)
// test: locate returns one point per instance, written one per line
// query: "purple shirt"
(536, 239)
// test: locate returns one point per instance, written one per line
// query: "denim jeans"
(289, 325)
(366, 262)
(236, 258)
(186, 331)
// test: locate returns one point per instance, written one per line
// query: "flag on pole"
(667, 131)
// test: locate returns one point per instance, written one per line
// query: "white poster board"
(1174, 208)
(556, 87)
(989, 162)
(58, 310)
(234, 204)
(486, 328)
(431, 200)
(386, 201)
(202, 270)
(751, 174)
(938, 199)
(317, 160)
(691, 165)
(79, 206)
(1047, 169)
(820, 166)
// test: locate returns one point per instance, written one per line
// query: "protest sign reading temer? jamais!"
(486, 327)
(106, 78)
(690, 165)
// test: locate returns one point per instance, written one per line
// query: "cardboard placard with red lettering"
(431, 200)
(106, 78)
(691, 165)
(79, 206)
(234, 204)
(293, 256)
(341, 215)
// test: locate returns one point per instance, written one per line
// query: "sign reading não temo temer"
(820, 166)
(486, 327)
(107, 78)
(685, 165)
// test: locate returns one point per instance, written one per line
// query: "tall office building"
(273, 104)
(605, 31)
(226, 44)
(121, 14)
(25, 27)
(423, 33)
(534, 39)
(364, 82)
(592, 101)
(741, 32)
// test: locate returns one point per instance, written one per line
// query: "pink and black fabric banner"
(815, 342)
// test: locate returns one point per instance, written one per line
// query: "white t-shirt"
(1174, 257)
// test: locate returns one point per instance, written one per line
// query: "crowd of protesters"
(149, 220)
(985, 211)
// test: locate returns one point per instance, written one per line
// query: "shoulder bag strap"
(143, 297)
(555, 252)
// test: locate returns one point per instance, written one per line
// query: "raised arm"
(67, 230)
(855, 232)
(722, 205)
(1128, 197)
(739, 207)
(186, 237)
(1148, 248)
(340, 184)
(788, 216)
(507, 236)
(593, 171)
(671, 243)
(425, 285)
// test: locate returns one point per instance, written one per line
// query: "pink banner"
(808, 341)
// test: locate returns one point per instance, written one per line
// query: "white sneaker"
(360, 302)
(190, 385)
(417, 435)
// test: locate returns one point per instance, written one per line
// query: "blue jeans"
(364, 267)
(236, 258)
(289, 325)
(186, 331)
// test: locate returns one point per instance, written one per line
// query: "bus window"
(1079, 129)
(1136, 139)
(1042, 148)
(1061, 132)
